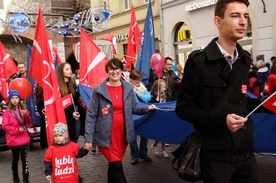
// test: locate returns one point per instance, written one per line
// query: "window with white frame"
(146, 1)
(126, 4)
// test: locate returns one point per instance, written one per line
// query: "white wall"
(203, 29)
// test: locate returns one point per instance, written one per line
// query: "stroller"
(34, 133)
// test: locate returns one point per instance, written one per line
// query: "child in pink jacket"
(14, 120)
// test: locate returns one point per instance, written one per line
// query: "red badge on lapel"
(243, 89)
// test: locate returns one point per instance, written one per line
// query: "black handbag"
(187, 158)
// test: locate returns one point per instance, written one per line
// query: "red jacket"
(11, 126)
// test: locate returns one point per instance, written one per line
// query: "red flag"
(112, 39)
(3, 81)
(42, 69)
(9, 65)
(271, 83)
(7, 69)
(92, 62)
(134, 40)
(67, 100)
(56, 57)
(270, 102)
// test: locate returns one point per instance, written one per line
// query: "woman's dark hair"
(222, 5)
(77, 73)
(114, 63)
(64, 90)
(38, 94)
(273, 68)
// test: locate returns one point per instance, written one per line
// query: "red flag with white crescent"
(9, 65)
(42, 69)
(134, 40)
(7, 69)
(92, 62)
(3, 81)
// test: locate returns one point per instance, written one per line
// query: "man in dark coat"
(222, 66)
(171, 80)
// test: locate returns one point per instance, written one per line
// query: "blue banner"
(147, 48)
(30, 102)
(164, 125)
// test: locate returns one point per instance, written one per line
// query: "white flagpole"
(261, 104)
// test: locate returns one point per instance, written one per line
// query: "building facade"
(118, 25)
(53, 10)
(191, 27)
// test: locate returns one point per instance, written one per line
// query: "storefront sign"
(181, 35)
(200, 5)
(122, 37)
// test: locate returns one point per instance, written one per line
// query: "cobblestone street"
(93, 168)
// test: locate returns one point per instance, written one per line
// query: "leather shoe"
(134, 161)
(146, 158)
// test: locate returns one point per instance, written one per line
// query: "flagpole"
(261, 104)
(125, 55)
(74, 107)
(158, 91)
(73, 103)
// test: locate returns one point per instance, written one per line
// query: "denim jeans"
(135, 151)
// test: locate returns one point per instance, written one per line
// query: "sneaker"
(155, 150)
(165, 154)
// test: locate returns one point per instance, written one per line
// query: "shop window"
(126, 4)
(124, 49)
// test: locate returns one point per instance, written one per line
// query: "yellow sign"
(181, 35)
